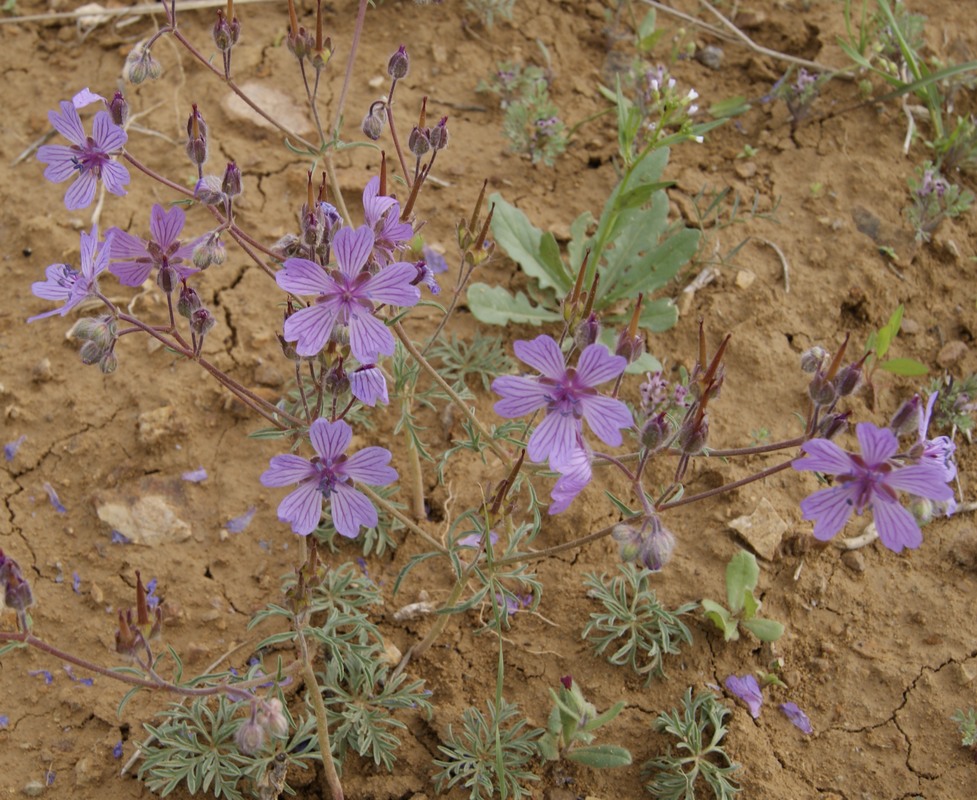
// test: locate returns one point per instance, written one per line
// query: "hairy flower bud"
(399, 63)
(91, 353)
(210, 251)
(418, 142)
(167, 279)
(17, 594)
(140, 65)
(372, 125)
(231, 185)
(108, 363)
(631, 347)
(656, 550)
(208, 190)
(119, 109)
(906, 419)
(439, 135)
(196, 137)
(586, 332)
(250, 737)
(189, 302)
(336, 381)
(822, 391)
(813, 358)
(849, 379)
(271, 717)
(655, 433)
(202, 321)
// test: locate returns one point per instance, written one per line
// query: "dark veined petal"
(352, 249)
(606, 416)
(284, 470)
(369, 386)
(877, 444)
(392, 285)
(520, 396)
(543, 354)
(301, 276)
(166, 226)
(896, 526)
(330, 439)
(368, 337)
(124, 245)
(302, 508)
(115, 177)
(68, 123)
(926, 480)
(60, 160)
(824, 456)
(596, 365)
(52, 288)
(107, 135)
(132, 273)
(554, 440)
(350, 509)
(370, 465)
(748, 690)
(830, 510)
(81, 193)
(310, 327)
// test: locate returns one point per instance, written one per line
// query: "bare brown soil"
(880, 649)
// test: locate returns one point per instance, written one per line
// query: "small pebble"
(854, 560)
(33, 789)
(710, 56)
(951, 353)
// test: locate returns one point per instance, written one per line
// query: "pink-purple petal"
(68, 123)
(577, 474)
(166, 226)
(352, 249)
(370, 465)
(606, 416)
(125, 245)
(520, 396)
(132, 273)
(115, 177)
(896, 526)
(392, 285)
(554, 440)
(368, 337)
(369, 386)
(286, 469)
(330, 439)
(543, 354)
(310, 327)
(877, 444)
(302, 277)
(748, 690)
(81, 193)
(302, 508)
(107, 135)
(60, 161)
(830, 509)
(926, 480)
(824, 456)
(350, 509)
(797, 717)
(596, 365)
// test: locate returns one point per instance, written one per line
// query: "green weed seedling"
(967, 724)
(698, 753)
(742, 574)
(571, 727)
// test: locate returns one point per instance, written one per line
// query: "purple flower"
(240, 523)
(434, 260)
(67, 284)
(88, 156)
(748, 690)
(346, 296)
(939, 451)
(797, 717)
(163, 250)
(574, 477)
(330, 475)
(368, 385)
(10, 448)
(117, 750)
(382, 215)
(195, 475)
(567, 394)
(870, 480)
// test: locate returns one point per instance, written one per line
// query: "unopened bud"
(231, 185)
(287, 247)
(271, 717)
(202, 322)
(418, 142)
(140, 65)
(399, 63)
(631, 347)
(336, 381)
(372, 125)
(812, 359)
(196, 137)
(832, 425)
(17, 594)
(119, 110)
(586, 332)
(439, 135)
(91, 353)
(250, 737)
(210, 251)
(656, 550)
(208, 190)
(849, 379)
(822, 392)
(189, 302)
(906, 419)
(108, 363)
(656, 433)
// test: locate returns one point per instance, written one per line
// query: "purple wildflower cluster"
(569, 396)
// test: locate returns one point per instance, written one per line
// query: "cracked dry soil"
(880, 649)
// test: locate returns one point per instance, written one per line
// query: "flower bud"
(372, 125)
(439, 135)
(231, 185)
(692, 436)
(630, 346)
(209, 190)
(656, 550)
(167, 279)
(821, 391)
(108, 363)
(586, 332)
(812, 359)
(655, 433)
(271, 717)
(832, 425)
(288, 246)
(202, 322)
(119, 110)
(209, 251)
(196, 137)
(849, 379)
(91, 353)
(628, 539)
(250, 737)
(906, 419)
(336, 381)
(140, 65)
(398, 64)
(189, 302)
(17, 594)
(418, 142)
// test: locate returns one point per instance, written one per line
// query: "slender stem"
(692, 498)
(396, 140)
(461, 405)
(353, 47)
(416, 478)
(556, 549)
(408, 523)
(797, 441)
(331, 784)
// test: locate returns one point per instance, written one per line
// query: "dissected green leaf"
(494, 305)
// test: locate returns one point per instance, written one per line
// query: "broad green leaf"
(766, 630)
(750, 605)
(656, 267)
(579, 240)
(607, 716)
(888, 332)
(534, 250)
(742, 574)
(600, 756)
(904, 366)
(494, 305)
(721, 618)
(659, 315)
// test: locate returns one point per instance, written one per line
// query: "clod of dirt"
(285, 109)
(149, 520)
(963, 550)
(951, 353)
(33, 789)
(854, 560)
(159, 424)
(762, 530)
